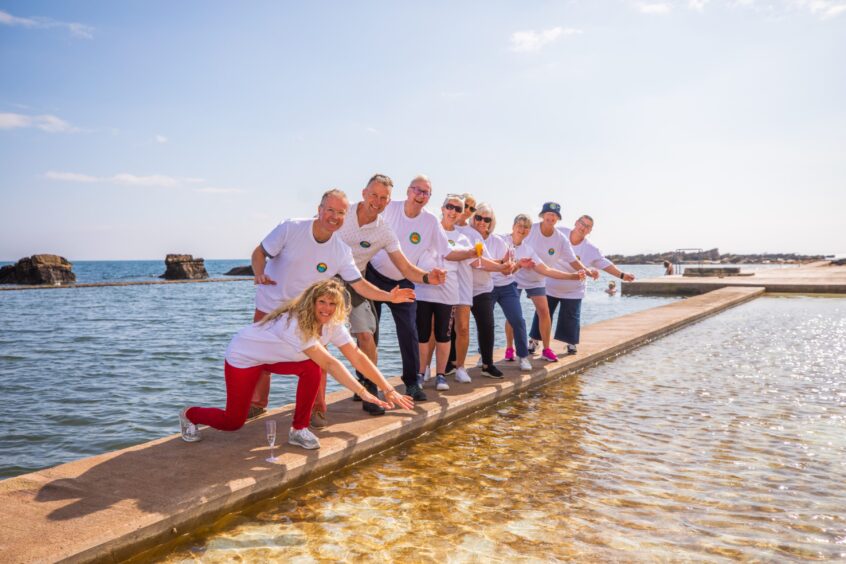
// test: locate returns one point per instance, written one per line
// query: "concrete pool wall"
(112, 506)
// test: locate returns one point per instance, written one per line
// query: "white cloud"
(528, 41)
(697, 5)
(75, 29)
(659, 8)
(71, 177)
(157, 180)
(46, 122)
(371, 130)
(824, 9)
(161, 139)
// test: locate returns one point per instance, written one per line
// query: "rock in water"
(184, 267)
(240, 271)
(39, 269)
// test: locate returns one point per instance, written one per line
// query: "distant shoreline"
(135, 283)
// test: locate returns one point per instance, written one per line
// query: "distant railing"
(678, 254)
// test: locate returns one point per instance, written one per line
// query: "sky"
(129, 130)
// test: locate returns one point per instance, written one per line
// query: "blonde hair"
(523, 219)
(482, 208)
(303, 307)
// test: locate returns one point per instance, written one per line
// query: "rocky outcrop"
(50, 270)
(240, 271)
(713, 256)
(184, 267)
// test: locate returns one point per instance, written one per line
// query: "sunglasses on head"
(485, 219)
(453, 207)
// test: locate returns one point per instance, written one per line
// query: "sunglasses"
(420, 191)
(453, 207)
(485, 219)
(472, 209)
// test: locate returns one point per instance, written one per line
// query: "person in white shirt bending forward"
(292, 339)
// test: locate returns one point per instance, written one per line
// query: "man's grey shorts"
(363, 318)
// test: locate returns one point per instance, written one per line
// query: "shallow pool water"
(726, 440)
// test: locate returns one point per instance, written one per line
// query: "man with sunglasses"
(421, 237)
(367, 232)
(569, 293)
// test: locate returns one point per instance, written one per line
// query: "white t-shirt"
(465, 272)
(498, 246)
(417, 236)
(449, 292)
(297, 261)
(590, 257)
(482, 282)
(365, 241)
(555, 251)
(525, 277)
(278, 341)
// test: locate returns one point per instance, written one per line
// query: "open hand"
(370, 398)
(401, 295)
(396, 399)
(264, 279)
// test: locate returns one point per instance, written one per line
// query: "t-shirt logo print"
(551, 251)
(451, 242)
(364, 244)
(321, 267)
(414, 237)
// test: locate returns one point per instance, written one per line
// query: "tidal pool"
(724, 441)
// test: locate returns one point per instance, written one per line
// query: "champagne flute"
(270, 431)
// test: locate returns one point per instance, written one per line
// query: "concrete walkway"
(112, 506)
(815, 278)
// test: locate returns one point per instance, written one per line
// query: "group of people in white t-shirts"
(324, 280)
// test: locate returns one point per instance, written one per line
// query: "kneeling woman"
(292, 340)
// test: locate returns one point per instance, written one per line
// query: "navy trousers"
(568, 327)
(405, 318)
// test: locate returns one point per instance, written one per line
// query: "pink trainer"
(509, 354)
(547, 354)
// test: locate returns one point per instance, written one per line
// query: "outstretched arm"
(614, 271)
(397, 296)
(363, 364)
(339, 372)
(558, 274)
(415, 274)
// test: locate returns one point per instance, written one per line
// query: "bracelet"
(622, 275)
(389, 392)
(425, 277)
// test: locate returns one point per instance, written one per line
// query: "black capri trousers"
(443, 321)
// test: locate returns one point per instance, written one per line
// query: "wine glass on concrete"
(270, 431)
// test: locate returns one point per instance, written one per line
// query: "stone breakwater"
(112, 506)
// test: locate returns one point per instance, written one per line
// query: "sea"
(89, 370)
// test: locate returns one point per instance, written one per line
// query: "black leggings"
(483, 313)
(443, 321)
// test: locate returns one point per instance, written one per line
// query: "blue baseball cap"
(553, 207)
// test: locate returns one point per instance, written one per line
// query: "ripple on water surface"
(726, 440)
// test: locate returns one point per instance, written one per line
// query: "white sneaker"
(461, 376)
(479, 362)
(441, 383)
(525, 364)
(427, 374)
(303, 438)
(190, 433)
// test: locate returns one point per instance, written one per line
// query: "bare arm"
(614, 271)
(367, 290)
(363, 364)
(558, 274)
(578, 265)
(414, 273)
(258, 260)
(339, 372)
